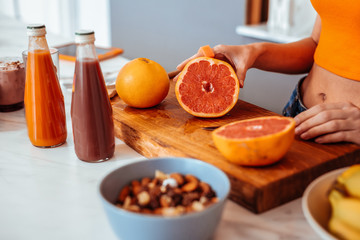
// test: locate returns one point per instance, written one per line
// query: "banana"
(347, 210)
(352, 185)
(341, 230)
(344, 197)
(348, 173)
(334, 196)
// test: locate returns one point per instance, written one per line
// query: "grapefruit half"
(207, 87)
(257, 141)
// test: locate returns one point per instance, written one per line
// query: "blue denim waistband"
(295, 104)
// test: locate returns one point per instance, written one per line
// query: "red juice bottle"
(91, 111)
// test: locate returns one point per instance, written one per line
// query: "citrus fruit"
(142, 83)
(207, 87)
(255, 142)
(206, 51)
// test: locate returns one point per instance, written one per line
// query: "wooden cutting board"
(167, 130)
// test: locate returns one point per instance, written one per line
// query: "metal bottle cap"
(84, 36)
(36, 30)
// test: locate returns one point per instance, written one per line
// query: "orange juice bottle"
(44, 101)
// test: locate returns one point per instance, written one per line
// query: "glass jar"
(12, 84)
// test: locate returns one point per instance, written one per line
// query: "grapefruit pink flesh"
(255, 142)
(207, 87)
(254, 128)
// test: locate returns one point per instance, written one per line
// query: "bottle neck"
(86, 51)
(38, 43)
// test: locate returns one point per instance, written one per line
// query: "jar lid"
(84, 36)
(36, 29)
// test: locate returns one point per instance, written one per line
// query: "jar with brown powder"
(12, 84)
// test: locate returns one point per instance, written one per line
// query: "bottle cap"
(84, 36)
(36, 30)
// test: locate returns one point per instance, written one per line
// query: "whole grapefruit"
(142, 83)
(207, 87)
(257, 141)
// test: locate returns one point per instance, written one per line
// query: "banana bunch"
(344, 198)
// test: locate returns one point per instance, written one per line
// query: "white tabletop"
(51, 194)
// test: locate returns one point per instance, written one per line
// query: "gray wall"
(169, 31)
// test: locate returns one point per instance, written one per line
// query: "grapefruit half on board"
(207, 87)
(257, 141)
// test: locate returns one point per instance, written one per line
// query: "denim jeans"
(295, 105)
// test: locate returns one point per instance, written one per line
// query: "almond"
(190, 186)
(205, 188)
(136, 189)
(165, 201)
(145, 181)
(178, 178)
(191, 178)
(123, 194)
(135, 183)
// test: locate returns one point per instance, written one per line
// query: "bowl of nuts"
(165, 198)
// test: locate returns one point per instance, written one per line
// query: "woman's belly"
(322, 86)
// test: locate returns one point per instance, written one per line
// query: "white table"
(50, 194)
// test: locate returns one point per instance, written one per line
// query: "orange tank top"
(338, 50)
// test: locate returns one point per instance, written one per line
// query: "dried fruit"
(166, 194)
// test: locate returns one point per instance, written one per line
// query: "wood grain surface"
(167, 130)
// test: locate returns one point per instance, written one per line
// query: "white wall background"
(63, 17)
(171, 31)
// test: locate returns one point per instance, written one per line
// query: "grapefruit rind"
(203, 114)
(256, 151)
(207, 51)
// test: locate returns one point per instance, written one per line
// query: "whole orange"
(142, 83)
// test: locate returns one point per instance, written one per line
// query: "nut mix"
(166, 194)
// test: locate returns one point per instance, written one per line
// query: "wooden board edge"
(266, 199)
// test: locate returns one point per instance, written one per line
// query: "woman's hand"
(240, 57)
(329, 123)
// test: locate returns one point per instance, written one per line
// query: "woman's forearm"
(290, 58)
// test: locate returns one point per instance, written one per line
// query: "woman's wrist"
(256, 50)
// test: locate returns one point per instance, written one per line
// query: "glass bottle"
(43, 98)
(91, 111)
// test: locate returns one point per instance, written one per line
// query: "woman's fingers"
(343, 136)
(183, 63)
(332, 126)
(224, 53)
(322, 112)
(331, 122)
(315, 117)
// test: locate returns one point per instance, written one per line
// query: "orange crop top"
(338, 50)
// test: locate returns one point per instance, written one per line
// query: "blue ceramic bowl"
(133, 226)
